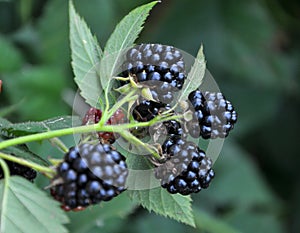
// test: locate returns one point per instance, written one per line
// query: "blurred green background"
(252, 50)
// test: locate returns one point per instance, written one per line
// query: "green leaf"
(123, 37)
(158, 200)
(146, 190)
(210, 224)
(95, 218)
(86, 54)
(31, 127)
(128, 30)
(195, 76)
(25, 208)
(22, 151)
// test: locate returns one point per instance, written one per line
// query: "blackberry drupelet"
(187, 169)
(88, 175)
(213, 115)
(159, 67)
(94, 115)
(19, 170)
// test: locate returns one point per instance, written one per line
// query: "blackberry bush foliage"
(154, 94)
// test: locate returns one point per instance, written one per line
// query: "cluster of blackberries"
(93, 116)
(93, 173)
(213, 115)
(88, 175)
(160, 68)
(19, 170)
(187, 169)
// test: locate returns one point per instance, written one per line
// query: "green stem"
(124, 100)
(60, 145)
(47, 135)
(106, 99)
(27, 163)
(132, 139)
(108, 113)
(5, 170)
(78, 130)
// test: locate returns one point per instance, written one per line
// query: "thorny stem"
(53, 135)
(81, 129)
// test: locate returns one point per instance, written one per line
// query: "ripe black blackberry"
(88, 175)
(173, 128)
(19, 170)
(93, 116)
(213, 115)
(187, 169)
(159, 67)
(146, 110)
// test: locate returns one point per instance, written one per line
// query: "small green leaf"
(86, 54)
(25, 208)
(158, 200)
(22, 151)
(146, 190)
(31, 127)
(124, 35)
(195, 76)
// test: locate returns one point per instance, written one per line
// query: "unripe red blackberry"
(213, 115)
(88, 175)
(159, 67)
(94, 115)
(19, 170)
(187, 170)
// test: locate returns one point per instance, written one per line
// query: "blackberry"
(187, 169)
(213, 115)
(88, 175)
(146, 110)
(19, 170)
(94, 115)
(159, 67)
(173, 128)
